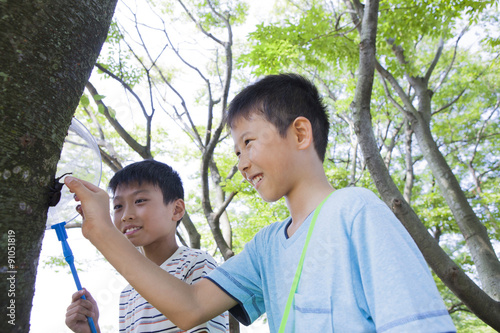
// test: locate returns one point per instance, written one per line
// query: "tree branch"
(198, 24)
(124, 85)
(443, 79)
(450, 103)
(110, 161)
(434, 61)
(395, 85)
(141, 150)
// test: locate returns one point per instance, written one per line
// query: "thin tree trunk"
(409, 162)
(477, 183)
(194, 235)
(474, 232)
(220, 197)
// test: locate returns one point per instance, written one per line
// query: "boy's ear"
(179, 209)
(302, 131)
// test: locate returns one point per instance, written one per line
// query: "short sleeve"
(397, 288)
(240, 278)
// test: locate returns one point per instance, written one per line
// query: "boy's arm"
(185, 305)
(200, 266)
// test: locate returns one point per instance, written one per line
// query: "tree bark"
(194, 235)
(474, 232)
(408, 162)
(220, 197)
(486, 308)
(48, 51)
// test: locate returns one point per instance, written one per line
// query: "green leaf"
(100, 107)
(84, 101)
(112, 112)
(98, 97)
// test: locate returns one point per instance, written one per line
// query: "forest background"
(429, 148)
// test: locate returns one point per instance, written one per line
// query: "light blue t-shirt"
(362, 273)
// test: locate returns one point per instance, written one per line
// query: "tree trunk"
(474, 232)
(220, 197)
(479, 302)
(48, 51)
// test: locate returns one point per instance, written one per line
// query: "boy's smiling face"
(265, 158)
(141, 215)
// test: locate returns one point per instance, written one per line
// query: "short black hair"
(153, 172)
(282, 98)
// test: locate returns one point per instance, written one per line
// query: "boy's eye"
(115, 207)
(247, 141)
(140, 200)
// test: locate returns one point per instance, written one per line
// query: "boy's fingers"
(77, 295)
(79, 186)
(80, 210)
(88, 296)
(77, 314)
(81, 306)
(94, 204)
(78, 305)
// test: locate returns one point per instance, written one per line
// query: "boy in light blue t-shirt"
(361, 272)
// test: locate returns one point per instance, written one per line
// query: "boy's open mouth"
(131, 230)
(255, 180)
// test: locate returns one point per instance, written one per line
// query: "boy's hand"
(94, 206)
(79, 310)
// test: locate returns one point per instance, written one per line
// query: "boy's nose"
(243, 163)
(128, 214)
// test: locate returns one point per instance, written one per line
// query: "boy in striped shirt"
(148, 206)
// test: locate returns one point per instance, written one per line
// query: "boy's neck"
(159, 253)
(307, 195)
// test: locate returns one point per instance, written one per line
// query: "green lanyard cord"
(296, 278)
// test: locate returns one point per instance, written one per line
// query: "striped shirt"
(137, 315)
